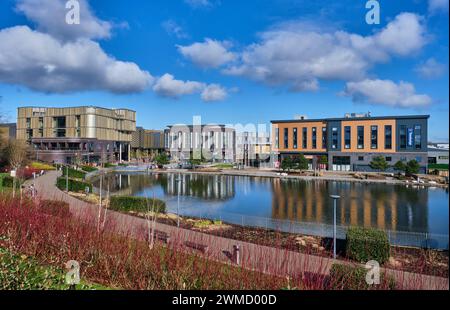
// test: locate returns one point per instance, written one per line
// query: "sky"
(228, 61)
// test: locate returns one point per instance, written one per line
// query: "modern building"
(215, 143)
(350, 143)
(253, 148)
(88, 133)
(8, 131)
(147, 143)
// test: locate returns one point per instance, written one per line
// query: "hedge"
(347, 277)
(7, 181)
(88, 169)
(365, 244)
(42, 166)
(138, 204)
(109, 165)
(74, 185)
(77, 174)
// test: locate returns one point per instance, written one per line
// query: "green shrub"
(20, 272)
(77, 174)
(365, 244)
(138, 204)
(88, 169)
(74, 185)
(109, 165)
(41, 166)
(7, 181)
(347, 277)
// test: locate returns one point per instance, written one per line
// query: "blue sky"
(228, 61)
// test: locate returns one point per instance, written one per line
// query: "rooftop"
(352, 118)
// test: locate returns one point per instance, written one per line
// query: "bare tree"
(16, 153)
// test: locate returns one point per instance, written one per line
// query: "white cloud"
(386, 92)
(198, 3)
(431, 69)
(208, 54)
(298, 55)
(173, 28)
(214, 92)
(50, 17)
(42, 63)
(438, 6)
(168, 86)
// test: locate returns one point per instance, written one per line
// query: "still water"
(236, 198)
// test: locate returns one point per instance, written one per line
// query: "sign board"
(410, 137)
(13, 173)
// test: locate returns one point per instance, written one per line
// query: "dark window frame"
(347, 137)
(374, 137)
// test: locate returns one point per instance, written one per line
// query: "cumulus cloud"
(42, 63)
(172, 28)
(168, 86)
(208, 54)
(298, 55)
(50, 17)
(438, 6)
(431, 69)
(386, 92)
(214, 92)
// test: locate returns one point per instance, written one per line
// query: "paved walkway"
(256, 257)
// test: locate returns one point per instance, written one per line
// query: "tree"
(379, 163)
(162, 159)
(400, 166)
(323, 161)
(16, 153)
(301, 163)
(412, 167)
(287, 164)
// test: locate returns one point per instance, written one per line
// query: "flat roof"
(76, 107)
(352, 118)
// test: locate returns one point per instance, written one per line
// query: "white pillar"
(120, 152)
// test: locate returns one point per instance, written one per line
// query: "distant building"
(350, 143)
(88, 133)
(147, 142)
(253, 149)
(216, 143)
(8, 131)
(438, 155)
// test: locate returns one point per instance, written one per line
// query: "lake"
(277, 202)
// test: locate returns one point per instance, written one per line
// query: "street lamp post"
(179, 181)
(335, 198)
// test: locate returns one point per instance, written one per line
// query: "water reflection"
(369, 205)
(392, 207)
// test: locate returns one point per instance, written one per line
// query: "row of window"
(411, 137)
(360, 137)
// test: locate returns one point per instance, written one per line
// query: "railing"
(401, 238)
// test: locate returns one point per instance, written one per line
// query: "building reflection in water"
(206, 187)
(368, 205)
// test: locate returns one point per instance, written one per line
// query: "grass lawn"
(224, 166)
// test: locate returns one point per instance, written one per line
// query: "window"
(277, 138)
(388, 158)
(443, 157)
(418, 159)
(418, 136)
(29, 134)
(334, 138)
(388, 137)
(78, 125)
(347, 137)
(41, 127)
(305, 138)
(374, 137)
(360, 137)
(403, 138)
(324, 137)
(295, 137)
(314, 138)
(286, 141)
(360, 158)
(28, 123)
